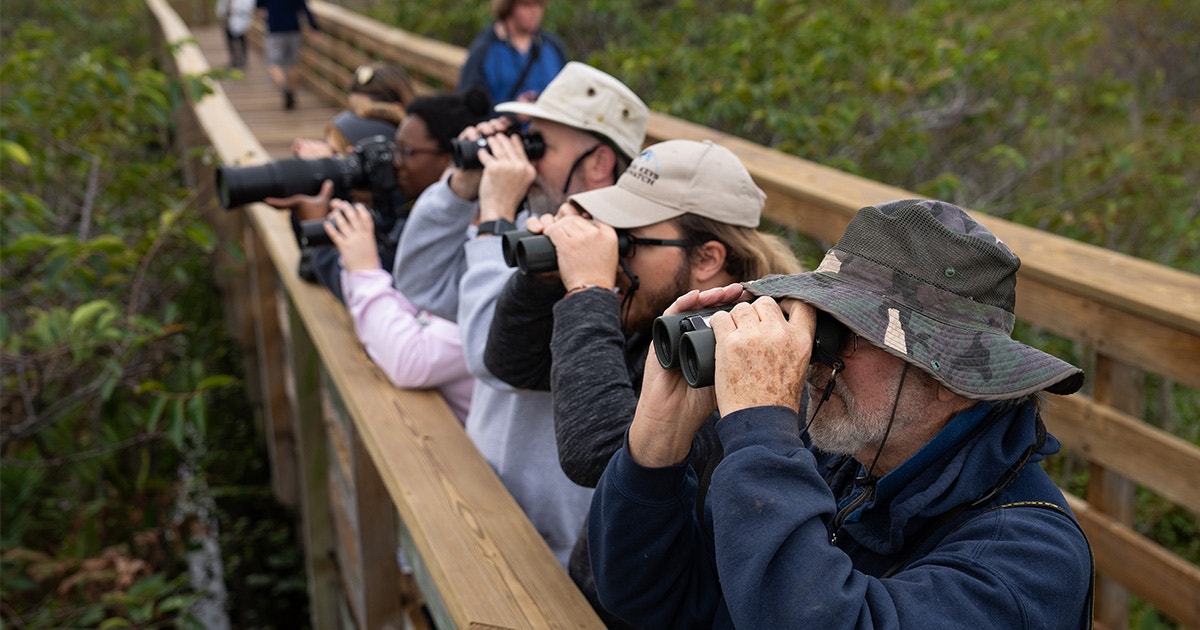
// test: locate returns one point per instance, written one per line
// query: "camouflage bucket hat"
(927, 283)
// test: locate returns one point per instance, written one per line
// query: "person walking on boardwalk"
(236, 15)
(283, 41)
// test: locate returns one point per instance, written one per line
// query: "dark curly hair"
(447, 114)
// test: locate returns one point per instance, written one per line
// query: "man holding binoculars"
(911, 498)
(585, 127)
(683, 216)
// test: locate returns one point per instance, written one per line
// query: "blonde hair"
(749, 253)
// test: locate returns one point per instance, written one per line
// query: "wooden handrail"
(1126, 315)
(488, 565)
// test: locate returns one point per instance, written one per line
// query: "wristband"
(584, 287)
(499, 226)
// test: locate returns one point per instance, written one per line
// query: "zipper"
(866, 496)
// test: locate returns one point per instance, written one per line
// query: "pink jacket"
(417, 350)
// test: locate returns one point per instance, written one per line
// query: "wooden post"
(323, 583)
(1119, 386)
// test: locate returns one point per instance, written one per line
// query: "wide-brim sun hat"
(587, 99)
(925, 282)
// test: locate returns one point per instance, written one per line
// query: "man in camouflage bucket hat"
(910, 499)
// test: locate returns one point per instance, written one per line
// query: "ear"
(600, 167)
(708, 264)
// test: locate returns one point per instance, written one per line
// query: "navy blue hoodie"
(768, 554)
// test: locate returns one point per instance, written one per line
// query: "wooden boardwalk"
(260, 103)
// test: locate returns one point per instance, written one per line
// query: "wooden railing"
(477, 560)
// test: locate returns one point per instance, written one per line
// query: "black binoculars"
(535, 253)
(686, 341)
(466, 152)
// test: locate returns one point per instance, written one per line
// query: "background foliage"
(124, 439)
(1078, 117)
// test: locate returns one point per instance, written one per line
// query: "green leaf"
(176, 430)
(215, 381)
(13, 151)
(176, 602)
(115, 622)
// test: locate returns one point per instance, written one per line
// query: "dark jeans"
(237, 49)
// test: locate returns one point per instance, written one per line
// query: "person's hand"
(761, 355)
(465, 183)
(586, 249)
(669, 412)
(306, 207)
(311, 149)
(352, 231)
(507, 174)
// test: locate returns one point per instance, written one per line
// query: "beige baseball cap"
(585, 98)
(678, 177)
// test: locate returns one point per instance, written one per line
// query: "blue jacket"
(495, 65)
(1017, 561)
(283, 16)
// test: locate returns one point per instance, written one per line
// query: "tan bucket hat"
(587, 99)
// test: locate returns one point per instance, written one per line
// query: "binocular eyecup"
(686, 341)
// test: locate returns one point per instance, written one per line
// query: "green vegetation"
(126, 438)
(1082, 118)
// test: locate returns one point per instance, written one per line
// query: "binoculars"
(686, 341)
(465, 153)
(535, 253)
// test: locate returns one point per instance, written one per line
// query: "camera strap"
(534, 49)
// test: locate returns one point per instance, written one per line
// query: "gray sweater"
(513, 428)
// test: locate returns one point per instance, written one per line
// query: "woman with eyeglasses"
(415, 348)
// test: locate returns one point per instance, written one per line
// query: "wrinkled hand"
(352, 231)
(306, 207)
(669, 412)
(587, 249)
(761, 356)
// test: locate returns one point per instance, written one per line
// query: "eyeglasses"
(627, 243)
(405, 152)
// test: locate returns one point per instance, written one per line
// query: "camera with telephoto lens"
(466, 152)
(368, 167)
(686, 341)
(535, 253)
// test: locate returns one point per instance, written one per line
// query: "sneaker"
(289, 99)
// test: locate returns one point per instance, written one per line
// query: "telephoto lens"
(466, 152)
(369, 167)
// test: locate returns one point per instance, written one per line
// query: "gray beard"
(540, 201)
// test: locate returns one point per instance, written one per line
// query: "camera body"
(535, 253)
(369, 167)
(466, 152)
(686, 341)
